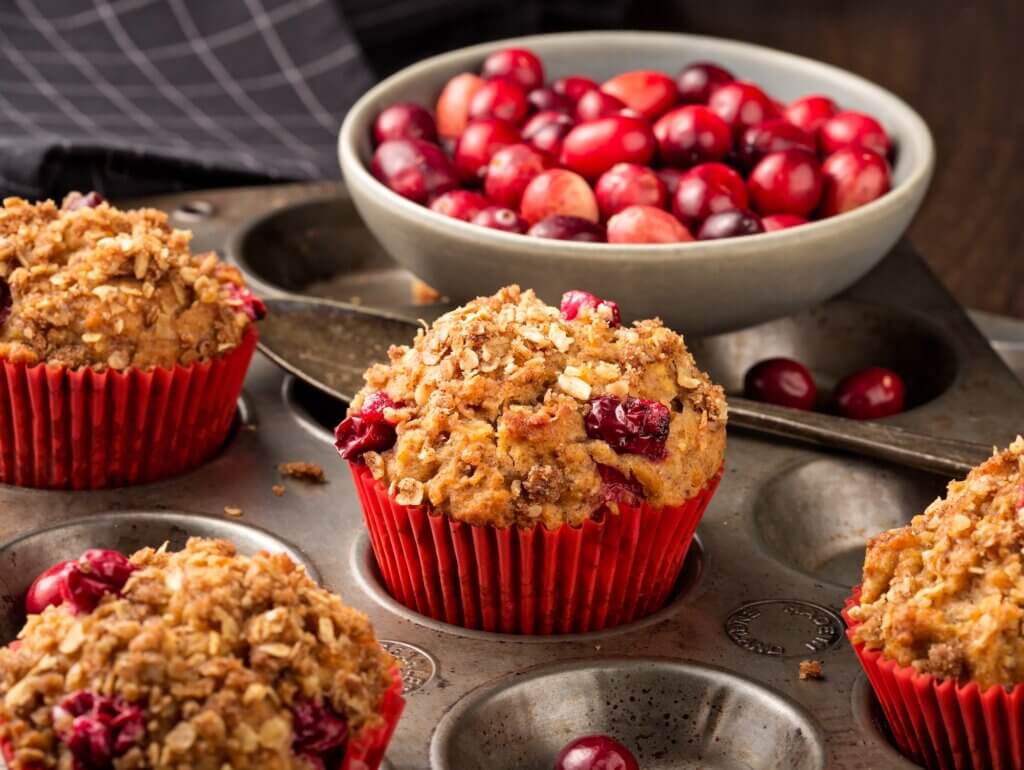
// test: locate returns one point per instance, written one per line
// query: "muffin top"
(509, 411)
(945, 593)
(205, 660)
(88, 285)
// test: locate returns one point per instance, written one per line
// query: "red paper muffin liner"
(940, 723)
(610, 571)
(77, 429)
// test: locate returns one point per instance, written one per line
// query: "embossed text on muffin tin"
(784, 627)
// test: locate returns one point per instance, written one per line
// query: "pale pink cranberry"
(453, 104)
(856, 130)
(775, 222)
(735, 223)
(547, 99)
(478, 143)
(633, 426)
(575, 300)
(853, 177)
(648, 92)
(414, 169)
(810, 112)
(595, 752)
(567, 228)
(366, 430)
(404, 121)
(558, 191)
(690, 135)
(772, 136)
(707, 189)
(870, 394)
(788, 182)
(597, 104)
(546, 131)
(501, 99)
(592, 148)
(627, 184)
(459, 204)
(781, 381)
(574, 86)
(699, 80)
(517, 64)
(646, 224)
(248, 303)
(742, 105)
(511, 169)
(498, 218)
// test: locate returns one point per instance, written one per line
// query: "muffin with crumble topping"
(131, 348)
(937, 621)
(549, 465)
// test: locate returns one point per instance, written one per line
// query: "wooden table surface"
(955, 62)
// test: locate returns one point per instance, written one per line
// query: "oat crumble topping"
(812, 669)
(303, 471)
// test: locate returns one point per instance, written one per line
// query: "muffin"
(527, 469)
(202, 659)
(937, 621)
(123, 353)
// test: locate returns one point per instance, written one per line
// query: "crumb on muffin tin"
(104, 288)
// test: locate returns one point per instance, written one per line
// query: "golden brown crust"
(105, 288)
(213, 646)
(945, 593)
(491, 410)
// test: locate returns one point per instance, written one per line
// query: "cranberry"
(453, 105)
(781, 381)
(730, 224)
(699, 80)
(627, 184)
(99, 728)
(414, 169)
(478, 143)
(546, 130)
(574, 86)
(320, 733)
(249, 303)
(404, 121)
(690, 135)
(592, 148)
(82, 583)
(670, 178)
(742, 105)
(558, 191)
(633, 426)
(646, 224)
(574, 301)
(788, 182)
(597, 104)
(367, 430)
(501, 99)
(459, 204)
(498, 218)
(595, 752)
(75, 200)
(511, 169)
(707, 189)
(648, 92)
(853, 129)
(772, 136)
(870, 394)
(49, 587)
(544, 99)
(809, 112)
(567, 228)
(617, 488)
(775, 222)
(853, 177)
(516, 64)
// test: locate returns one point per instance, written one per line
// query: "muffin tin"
(711, 681)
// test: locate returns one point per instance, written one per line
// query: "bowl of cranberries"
(713, 183)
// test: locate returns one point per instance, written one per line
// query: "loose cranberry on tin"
(627, 184)
(568, 228)
(558, 191)
(810, 112)
(595, 752)
(646, 224)
(870, 394)
(404, 121)
(453, 104)
(575, 300)
(592, 148)
(517, 64)
(781, 381)
(690, 135)
(633, 426)
(698, 81)
(856, 130)
(414, 169)
(648, 92)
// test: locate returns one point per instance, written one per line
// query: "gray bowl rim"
(355, 171)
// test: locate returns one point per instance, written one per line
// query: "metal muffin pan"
(779, 550)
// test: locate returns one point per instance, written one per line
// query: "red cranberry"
(453, 105)
(646, 224)
(596, 752)
(772, 136)
(82, 583)
(478, 143)
(592, 148)
(574, 86)
(853, 129)
(781, 381)
(414, 169)
(690, 135)
(501, 99)
(670, 178)
(101, 728)
(742, 105)
(730, 224)
(49, 587)
(516, 64)
(404, 121)
(776, 222)
(543, 99)
(575, 300)
(367, 430)
(788, 182)
(511, 169)
(75, 200)
(699, 80)
(617, 488)
(558, 191)
(459, 204)
(707, 189)
(546, 130)
(853, 177)
(597, 104)
(870, 394)
(248, 303)
(567, 228)
(627, 184)
(319, 733)
(810, 112)
(633, 426)
(498, 218)
(648, 92)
